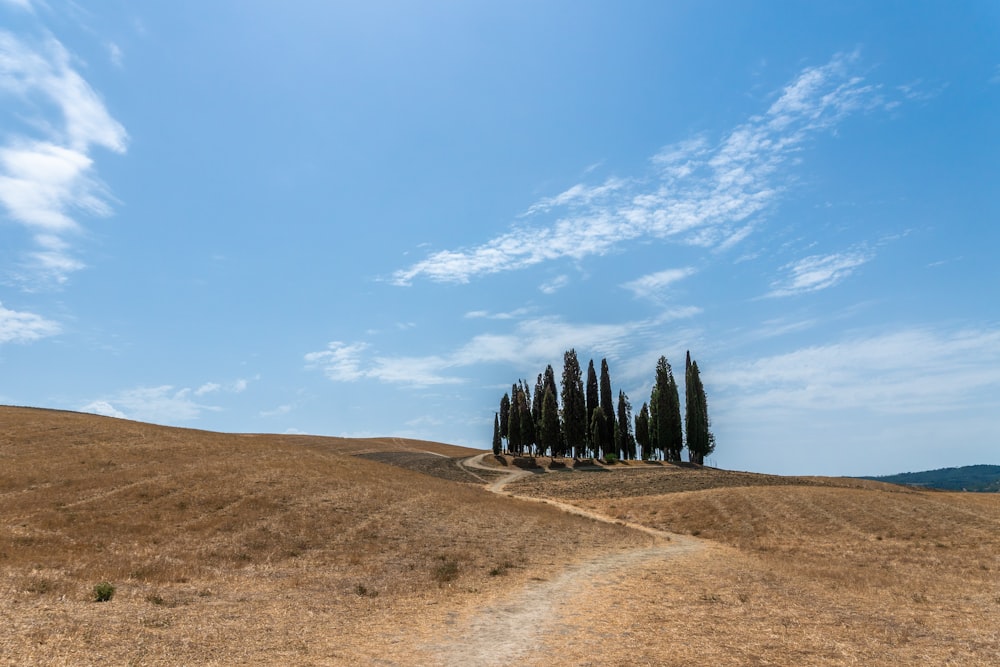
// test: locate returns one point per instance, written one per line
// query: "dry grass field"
(268, 549)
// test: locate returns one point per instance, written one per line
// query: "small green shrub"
(611, 459)
(103, 591)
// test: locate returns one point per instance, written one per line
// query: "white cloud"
(910, 371)
(46, 181)
(485, 314)
(554, 285)
(163, 405)
(23, 327)
(698, 193)
(818, 272)
(339, 361)
(116, 55)
(207, 388)
(653, 284)
(104, 408)
(532, 343)
(910, 399)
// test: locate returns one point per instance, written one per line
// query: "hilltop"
(274, 549)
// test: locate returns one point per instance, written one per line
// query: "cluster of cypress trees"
(590, 425)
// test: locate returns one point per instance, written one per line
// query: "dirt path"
(516, 627)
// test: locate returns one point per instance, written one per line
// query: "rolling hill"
(273, 549)
(979, 478)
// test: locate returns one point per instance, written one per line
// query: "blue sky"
(370, 220)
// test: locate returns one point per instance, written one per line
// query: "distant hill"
(981, 478)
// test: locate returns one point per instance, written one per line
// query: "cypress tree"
(505, 417)
(514, 444)
(549, 438)
(700, 440)
(675, 425)
(574, 406)
(593, 401)
(642, 431)
(665, 413)
(624, 440)
(598, 424)
(608, 406)
(527, 423)
(536, 402)
(497, 443)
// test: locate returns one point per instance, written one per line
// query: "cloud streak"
(818, 272)
(532, 343)
(23, 327)
(48, 179)
(912, 371)
(697, 193)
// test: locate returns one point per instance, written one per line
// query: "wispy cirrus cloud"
(697, 192)
(531, 343)
(914, 370)
(818, 272)
(47, 174)
(23, 327)
(653, 284)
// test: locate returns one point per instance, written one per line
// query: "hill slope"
(261, 549)
(245, 548)
(980, 478)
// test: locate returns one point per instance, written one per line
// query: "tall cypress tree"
(700, 440)
(505, 418)
(667, 430)
(675, 425)
(642, 432)
(593, 401)
(625, 441)
(549, 438)
(527, 423)
(497, 443)
(608, 406)
(536, 402)
(574, 405)
(514, 444)
(598, 424)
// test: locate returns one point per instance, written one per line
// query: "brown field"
(268, 549)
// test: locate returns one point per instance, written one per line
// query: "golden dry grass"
(832, 572)
(229, 549)
(257, 549)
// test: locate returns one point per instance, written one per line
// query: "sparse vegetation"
(103, 591)
(314, 551)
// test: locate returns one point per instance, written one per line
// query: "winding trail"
(505, 632)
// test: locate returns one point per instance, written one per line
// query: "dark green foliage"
(103, 591)
(550, 439)
(574, 405)
(700, 441)
(536, 402)
(666, 428)
(527, 423)
(497, 443)
(593, 400)
(979, 478)
(642, 432)
(504, 416)
(624, 440)
(514, 444)
(608, 406)
(598, 424)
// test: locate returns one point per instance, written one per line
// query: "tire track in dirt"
(506, 632)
